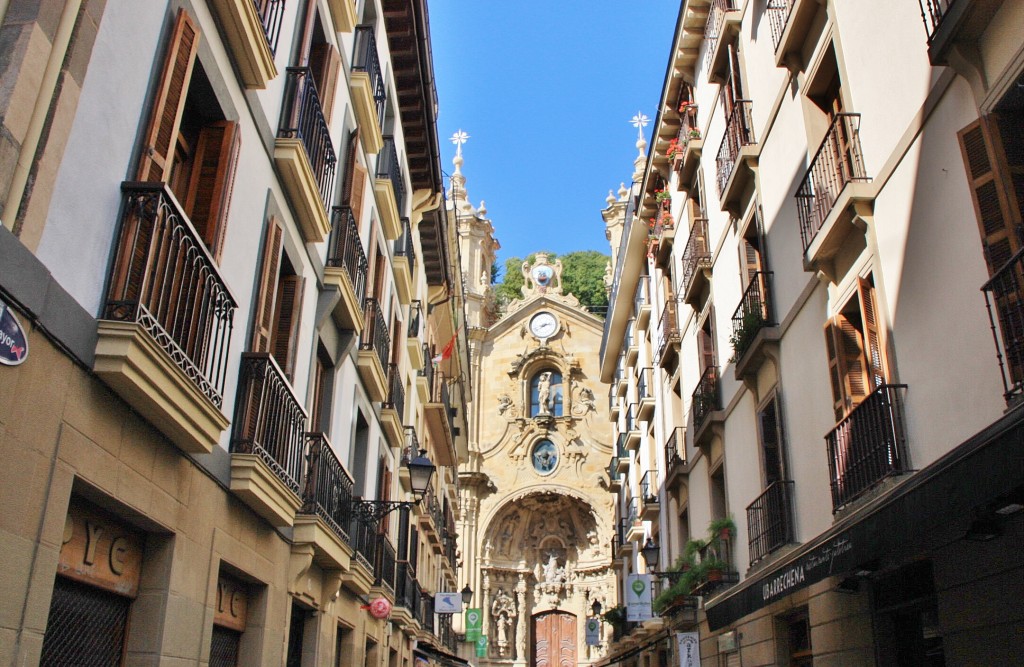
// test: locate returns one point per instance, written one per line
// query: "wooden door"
(554, 640)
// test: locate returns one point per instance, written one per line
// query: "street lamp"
(421, 470)
(467, 595)
(596, 607)
(651, 551)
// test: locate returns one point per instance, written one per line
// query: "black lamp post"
(467, 595)
(596, 607)
(651, 551)
(421, 470)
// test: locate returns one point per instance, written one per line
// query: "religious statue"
(502, 610)
(508, 534)
(504, 403)
(544, 393)
(501, 624)
(552, 573)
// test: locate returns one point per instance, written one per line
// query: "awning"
(985, 467)
(439, 656)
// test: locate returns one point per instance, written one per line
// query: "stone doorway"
(554, 639)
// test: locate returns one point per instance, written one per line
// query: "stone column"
(523, 612)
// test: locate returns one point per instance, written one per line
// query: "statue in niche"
(502, 611)
(552, 573)
(544, 393)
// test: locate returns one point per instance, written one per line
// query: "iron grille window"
(86, 626)
(224, 647)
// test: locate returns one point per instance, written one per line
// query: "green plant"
(743, 333)
(723, 528)
(615, 616)
(695, 133)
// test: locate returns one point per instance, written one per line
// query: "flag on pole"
(446, 353)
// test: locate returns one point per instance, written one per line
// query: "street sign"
(593, 631)
(447, 603)
(474, 624)
(638, 598)
(481, 647)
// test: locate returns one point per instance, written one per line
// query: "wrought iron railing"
(642, 297)
(364, 534)
(613, 469)
(696, 254)
(629, 339)
(675, 448)
(375, 335)
(633, 510)
(345, 249)
(739, 132)
(269, 420)
(389, 167)
(624, 525)
(365, 59)
(327, 491)
(415, 320)
(648, 487)
(932, 12)
(302, 117)
(404, 246)
(621, 450)
(412, 445)
(770, 520)
(270, 12)
(1004, 293)
(427, 613)
(778, 12)
(164, 279)
(632, 421)
(428, 371)
(867, 446)
(407, 589)
(752, 314)
(445, 633)
(396, 391)
(716, 17)
(645, 384)
(669, 326)
(705, 399)
(838, 161)
(385, 567)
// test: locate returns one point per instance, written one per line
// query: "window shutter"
(325, 63)
(209, 192)
(771, 442)
(706, 350)
(319, 382)
(846, 363)
(263, 321)
(350, 164)
(875, 357)
(751, 260)
(162, 133)
(358, 189)
(996, 207)
(288, 307)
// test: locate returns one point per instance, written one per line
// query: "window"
(856, 356)
(296, 635)
(229, 621)
(357, 456)
(275, 329)
(86, 625)
(770, 431)
(546, 393)
(323, 384)
(795, 637)
(188, 142)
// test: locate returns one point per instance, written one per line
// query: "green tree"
(582, 276)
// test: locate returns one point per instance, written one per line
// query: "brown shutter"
(706, 350)
(846, 363)
(325, 63)
(350, 164)
(288, 308)
(751, 260)
(263, 321)
(162, 132)
(358, 189)
(996, 207)
(319, 380)
(874, 348)
(213, 173)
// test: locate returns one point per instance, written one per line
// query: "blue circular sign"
(13, 344)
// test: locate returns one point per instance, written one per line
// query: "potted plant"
(743, 333)
(714, 569)
(675, 149)
(694, 133)
(723, 528)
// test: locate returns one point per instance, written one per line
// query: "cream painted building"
(536, 514)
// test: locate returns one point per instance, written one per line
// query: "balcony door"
(554, 640)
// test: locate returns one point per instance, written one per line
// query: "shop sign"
(232, 604)
(13, 344)
(481, 647)
(638, 598)
(688, 647)
(447, 603)
(100, 551)
(474, 624)
(593, 631)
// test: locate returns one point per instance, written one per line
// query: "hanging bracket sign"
(13, 344)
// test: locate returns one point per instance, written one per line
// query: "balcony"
(632, 427)
(718, 568)
(267, 441)
(614, 480)
(374, 350)
(326, 514)
(642, 302)
(790, 22)
(425, 377)
(621, 383)
(413, 336)
(163, 340)
(723, 24)
(952, 23)
(366, 82)
(365, 536)
(670, 334)
(622, 454)
(613, 404)
(632, 343)
(868, 446)
(343, 13)
(346, 269)
(835, 182)
(1004, 293)
(645, 393)
(404, 264)
(706, 404)
(431, 519)
(686, 160)
(251, 29)
(696, 263)
(736, 156)
(635, 525)
(392, 409)
(649, 496)
(409, 452)
(625, 546)
(675, 454)
(437, 412)
(389, 190)
(770, 520)
(755, 334)
(445, 633)
(407, 593)
(385, 570)
(304, 155)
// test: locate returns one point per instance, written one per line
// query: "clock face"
(543, 325)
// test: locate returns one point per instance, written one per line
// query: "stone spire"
(615, 213)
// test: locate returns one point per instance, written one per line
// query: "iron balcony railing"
(630, 335)
(778, 13)
(648, 487)
(633, 510)
(407, 589)
(621, 451)
(415, 319)
(427, 372)
(396, 391)
(696, 254)
(404, 246)
(389, 168)
(270, 12)
(613, 469)
(753, 312)
(867, 446)
(165, 280)
(375, 335)
(269, 420)
(716, 17)
(445, 633)
(645, 384)
(642, 297)
(302, 117)
(632, 422)
(669, 326)
(675, 448)
(624, 525)
(365, 59)
(427, 615)
(1004, 293)
(770, 520)
(933, 11)
(412, 445)
(739, 132)
(364, 534)
(433, 508)
(439, 394)
(838, 161)
(385, 567)
(688, 124)
(345, 249)
(327, 492)
(705, 397)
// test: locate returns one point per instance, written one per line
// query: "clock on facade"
(543, 325)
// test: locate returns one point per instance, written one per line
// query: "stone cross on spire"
(458, 186)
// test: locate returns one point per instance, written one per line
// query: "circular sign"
(380, 608)
(13, 344)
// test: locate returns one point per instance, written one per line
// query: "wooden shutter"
(846, 363)
(358, 190)
(286, 323)
(995, 204)
(162, 132)
(263, 320)
(319, 385)
(325, 63)
(706, 349)
(873, 343)
(751, 260)
(213, 175)
(350, 163)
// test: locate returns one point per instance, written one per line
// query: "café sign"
(100, 551)
(13, 343)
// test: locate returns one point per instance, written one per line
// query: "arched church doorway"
(554, 639)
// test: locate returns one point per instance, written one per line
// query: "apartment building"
(232, 393)
(814, 341)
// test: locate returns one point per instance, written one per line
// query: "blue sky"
(546, 90)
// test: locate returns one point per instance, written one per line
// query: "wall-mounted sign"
(447, 603)
(100, 551)
(474, 624)
(13, 343)
(593, 631)
(232, 603)
(638, 598)
(481, 647)
(688, 644)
